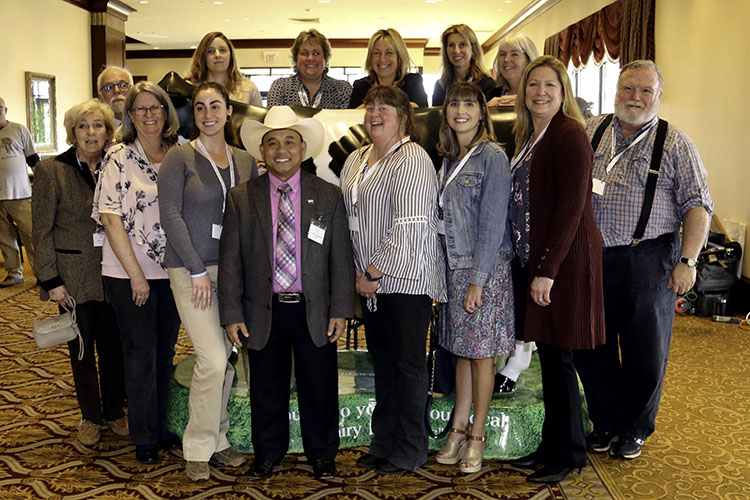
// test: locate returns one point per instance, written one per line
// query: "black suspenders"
(653, 172)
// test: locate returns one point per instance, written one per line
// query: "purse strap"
(73, 316)
(432, 354)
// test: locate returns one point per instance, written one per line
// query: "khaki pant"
(20, 212)
(206, 431)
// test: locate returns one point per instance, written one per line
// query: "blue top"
(475, 211)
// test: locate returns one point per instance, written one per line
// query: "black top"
(487, 85)
(412, 85)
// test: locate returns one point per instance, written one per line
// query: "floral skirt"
(491, 329)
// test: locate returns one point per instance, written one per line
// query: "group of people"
(145, 232)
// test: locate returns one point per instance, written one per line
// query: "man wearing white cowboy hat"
(286, 285)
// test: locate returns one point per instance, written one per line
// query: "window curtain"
(623, 30)
(637, 31)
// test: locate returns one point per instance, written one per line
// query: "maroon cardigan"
(564, 241)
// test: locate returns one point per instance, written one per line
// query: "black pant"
(623, 379)
(96, 321)
(563, 438)
(316, 373)
(148, 335)
(520, 275)
(397, 339)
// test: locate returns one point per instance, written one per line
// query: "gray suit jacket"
(62, 229)
(246, 267)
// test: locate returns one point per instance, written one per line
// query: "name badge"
(98, 239)
(441, 226)
(215, 231)
(317, 232)
(353, 223)
(598, 187)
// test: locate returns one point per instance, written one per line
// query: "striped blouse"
(396, 211)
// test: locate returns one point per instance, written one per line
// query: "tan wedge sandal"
(452, 451)
(472, 459)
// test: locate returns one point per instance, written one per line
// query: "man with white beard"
(113, 84)
(648, 182)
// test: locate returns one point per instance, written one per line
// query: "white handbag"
(57, 329)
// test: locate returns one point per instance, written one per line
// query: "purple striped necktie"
(286, 262)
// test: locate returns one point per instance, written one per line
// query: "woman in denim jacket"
(478, 321)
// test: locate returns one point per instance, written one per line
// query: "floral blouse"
(127, 187)
(518, 211)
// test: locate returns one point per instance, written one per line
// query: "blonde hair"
(392, 38)
(516, 41)
(127, 132)
(75, 114)
(448, 145)
(477, 69)
(523, 127)
(199, 69)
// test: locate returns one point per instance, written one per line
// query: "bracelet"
(370, 278)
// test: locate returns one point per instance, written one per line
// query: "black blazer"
(487, 85)
(412, 85)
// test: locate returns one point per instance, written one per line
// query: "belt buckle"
(634, 243)
(289, 298)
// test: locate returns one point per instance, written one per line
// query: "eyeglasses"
(141, 110)
(110, 87)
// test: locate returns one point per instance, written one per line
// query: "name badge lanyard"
(305, 101)
(453, 174)
(140, 150)
(616, 157)
(216, 170)
(367, 172)
(525, 152)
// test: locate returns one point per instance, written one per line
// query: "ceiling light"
(193, 46)
(218, 3)
(245, 18)
(324, 1)
(305, 20)
(143, 2)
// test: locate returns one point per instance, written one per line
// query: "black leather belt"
(289, 298)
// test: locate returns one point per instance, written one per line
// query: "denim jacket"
(475, 211)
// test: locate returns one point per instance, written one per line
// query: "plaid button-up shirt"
(681, 186)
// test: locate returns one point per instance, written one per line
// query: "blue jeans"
(623, 378)
(148, 335)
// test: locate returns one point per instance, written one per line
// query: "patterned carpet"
(701, 448)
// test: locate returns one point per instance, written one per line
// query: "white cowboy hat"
(281, 117)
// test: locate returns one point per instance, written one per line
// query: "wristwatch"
(689, 262)
(369, 277)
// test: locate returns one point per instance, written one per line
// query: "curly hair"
(314, 36)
